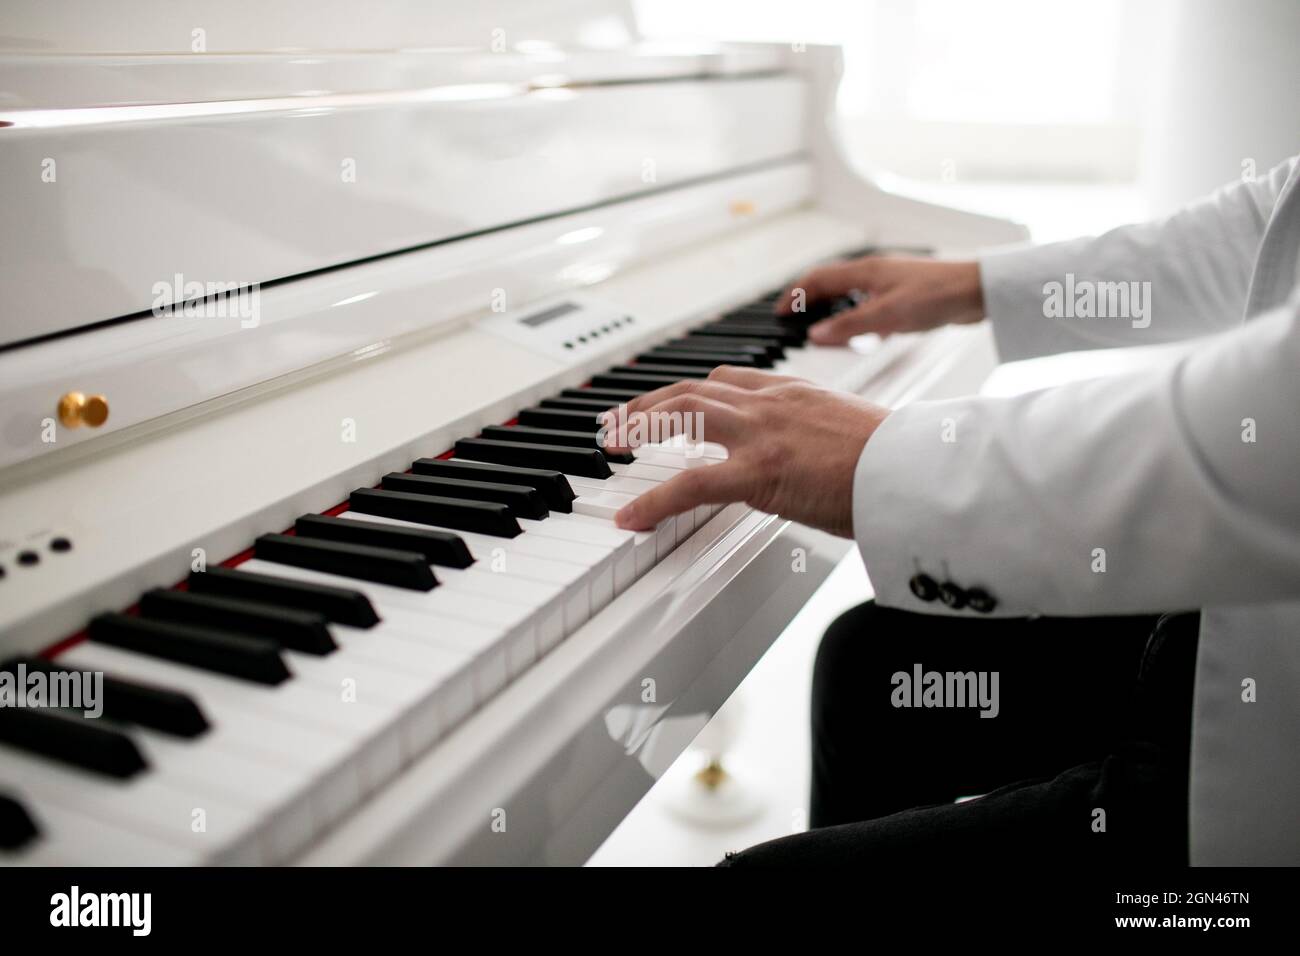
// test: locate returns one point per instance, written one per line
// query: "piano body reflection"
(300, 355)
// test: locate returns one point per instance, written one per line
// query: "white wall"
(1229, 95)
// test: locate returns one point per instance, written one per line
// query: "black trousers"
(1085, 762)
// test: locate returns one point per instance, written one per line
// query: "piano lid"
(249, 26)
(294, 144)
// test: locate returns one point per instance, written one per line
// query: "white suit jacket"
(1187, 475)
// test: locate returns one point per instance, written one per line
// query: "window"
(936, 89)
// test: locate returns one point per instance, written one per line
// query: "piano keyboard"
(249, 710)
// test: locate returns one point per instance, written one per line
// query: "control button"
(981, 601)
(952, 596)
(28, 558)
(924, 587)
(60, 545)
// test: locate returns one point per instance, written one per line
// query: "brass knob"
(76, 409)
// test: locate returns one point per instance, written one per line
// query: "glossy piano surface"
(455, 656)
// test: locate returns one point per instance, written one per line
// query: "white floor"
(767, 718)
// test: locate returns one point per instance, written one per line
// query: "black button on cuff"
(924, 587)
(981, 601)
(952, 596)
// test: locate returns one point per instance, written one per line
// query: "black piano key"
(552, 485)
(784, 335)
(293, 628)
(772, 350)
(399, 569)
(438, 547)
(341, 605)
(647, 382)
(563, 418)
(17, 828)
(254, 659)
(612, 395)
(769, 326)
(823, 309)
(585, 462)
(158, 708)
(526, 434)
(522, 501)
(593, 405)
(759, 312)
(715, 338)
(77, 741)
(871, 250)
(666, 356)
(673, 372)
(487, 517)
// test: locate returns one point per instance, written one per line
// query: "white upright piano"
(307, 311)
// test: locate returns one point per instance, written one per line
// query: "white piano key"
(279, 795)
(620, 484)
(464, 664)
(152, 803)
(569, 527)
(644, 472)
(514, 622)
(258, 720)
(72, 838)
(597, 503)
(662, 457)
(659, 474)
(572, 566)
(707, 450)
(547, 601)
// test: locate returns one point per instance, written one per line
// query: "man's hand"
(902, 295)
(792, 447)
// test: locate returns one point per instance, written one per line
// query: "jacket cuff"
(908, 529)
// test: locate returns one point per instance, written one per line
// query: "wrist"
(967, 299)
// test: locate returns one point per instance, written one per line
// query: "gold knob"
(76, 409)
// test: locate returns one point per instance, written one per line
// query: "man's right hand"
(901, 295)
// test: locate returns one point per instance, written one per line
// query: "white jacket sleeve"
(1197, 261)
(1167, 489)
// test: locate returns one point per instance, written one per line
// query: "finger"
(878, 314)
(615, 421)
(708, 485)
(692, 414)
(718, 391)
(825, 283)
(749, 379)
